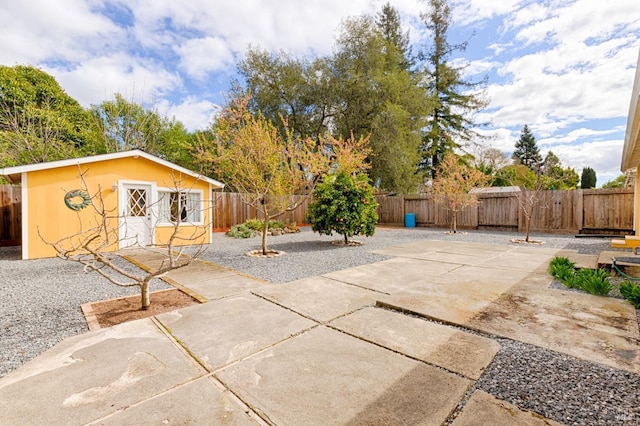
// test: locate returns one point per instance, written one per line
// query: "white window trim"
(163, 224)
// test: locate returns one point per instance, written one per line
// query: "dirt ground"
(117, 311)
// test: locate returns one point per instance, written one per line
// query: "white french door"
(136, 225)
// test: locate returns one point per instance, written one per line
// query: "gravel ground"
(40, 303)
(40, 307)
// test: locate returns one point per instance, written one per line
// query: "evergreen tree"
(588, 179)
(527, 151)
(450, 124)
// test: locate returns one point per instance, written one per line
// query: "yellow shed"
(145, 197)
(631, 159)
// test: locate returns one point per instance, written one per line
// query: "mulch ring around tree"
(524, 241)
(351, 243)
(270, 253)
(111, 312)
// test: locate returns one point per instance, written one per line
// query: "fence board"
(608, 209)
(391, 210)
(498, 211)
(423, 207)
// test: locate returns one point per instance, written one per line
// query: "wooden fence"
(588, 211)
(10, 215)
(229, 209)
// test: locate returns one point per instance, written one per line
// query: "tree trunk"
(144, 293)
(346, 240)
(454, 222)
(264, 234)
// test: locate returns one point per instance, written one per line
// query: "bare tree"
(98, 236)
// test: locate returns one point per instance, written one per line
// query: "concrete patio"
(357, 346)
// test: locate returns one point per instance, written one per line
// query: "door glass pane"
(137, 203)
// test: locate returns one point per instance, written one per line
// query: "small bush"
(593, 281)
(242, 231)
(562, 268)
(258, 224)
(631, 292)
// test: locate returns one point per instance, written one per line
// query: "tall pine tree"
(450, 124)
(527, 151)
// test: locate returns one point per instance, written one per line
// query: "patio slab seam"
(306, 316)
(399, 352)
(356, 285)
(179, 344)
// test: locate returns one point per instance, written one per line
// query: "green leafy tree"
(450, 124)
(514, 175)
(381, 97)
(299, 90)
(559, 177)
(588, 178)
(615, 183)
(365, 89)
(453, 184)
(527, 151)
(124, 125)
(343, 203)
(38, 121)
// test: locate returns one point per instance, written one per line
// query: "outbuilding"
(631, 159)
(145, 197)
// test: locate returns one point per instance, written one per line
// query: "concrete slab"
(522, 260)
(326, 377)
(226, 330)
(455, 297)
(447, 347)
(427, 248)
(92, 375)
(197, 272)
(581, 260)
(485, 409)
(319, 298)
(393, 275)
(598, 329)
(199, 402)
(224, 286)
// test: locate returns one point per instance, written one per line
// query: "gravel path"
(41, 298)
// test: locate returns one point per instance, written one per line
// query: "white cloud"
(99, 79)
(466, 12)
(200, 56)
(39, 30)
(195, 114)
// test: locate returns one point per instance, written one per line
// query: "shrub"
(594, 281)
(258, 224)
(343, 204)
(631, 292)
(562, 268)
(241, 231)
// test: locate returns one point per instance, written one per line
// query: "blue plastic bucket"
(410, 220)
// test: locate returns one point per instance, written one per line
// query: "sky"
(563, 67)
